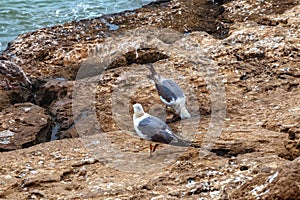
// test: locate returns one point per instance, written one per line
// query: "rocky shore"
(71, 135)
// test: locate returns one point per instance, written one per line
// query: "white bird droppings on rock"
(5, 136)
(26, 109)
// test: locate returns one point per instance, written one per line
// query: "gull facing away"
(13, 72)
(154, 129)
(170, 93)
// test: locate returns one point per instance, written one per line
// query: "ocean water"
(20, 16)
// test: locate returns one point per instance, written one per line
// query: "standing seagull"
(13, 72)
(170, 93)
(154, 129)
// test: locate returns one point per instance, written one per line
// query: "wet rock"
(23, 125)
(61, 109)
(71, 132)
(56, 96)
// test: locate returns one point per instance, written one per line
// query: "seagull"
(13, 72)
(154, 129)
(170, 93)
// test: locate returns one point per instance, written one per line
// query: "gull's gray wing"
(158, 131)
(165, 93)
(162, 136)
(169, 90)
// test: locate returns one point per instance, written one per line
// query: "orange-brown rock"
(249, 70)
(23, 125)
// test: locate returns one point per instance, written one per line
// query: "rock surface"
(249, 55)
(23, 125)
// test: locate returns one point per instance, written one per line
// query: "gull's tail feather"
(180, 143)
(185, 143)
(184, 113)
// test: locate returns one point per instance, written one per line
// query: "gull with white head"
(154, 129)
